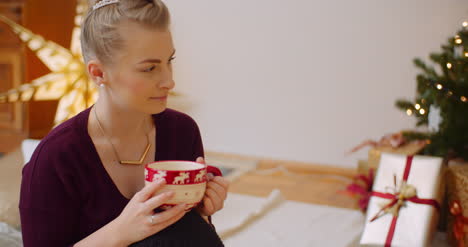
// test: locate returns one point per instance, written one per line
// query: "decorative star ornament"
(67, 82)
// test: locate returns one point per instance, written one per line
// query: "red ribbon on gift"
(362, 186)
(396, 202)
(394, 140)
(460, 223)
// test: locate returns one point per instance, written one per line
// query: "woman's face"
(140, 77)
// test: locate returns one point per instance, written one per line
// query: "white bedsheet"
(274, 222)
(291, 224)
(9, 237)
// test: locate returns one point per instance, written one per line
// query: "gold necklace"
(124, 162)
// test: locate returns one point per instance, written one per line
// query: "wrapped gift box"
(416, 221)
(457, 191)
(410, 148)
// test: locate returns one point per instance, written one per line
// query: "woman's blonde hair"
(99, 30)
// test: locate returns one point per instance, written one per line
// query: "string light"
(422, 111)
(409, 112)
(417, 106)
(449, 65)
(466, 54)
(458, 40)
(463, 99)
(449, 93)
(465, 24)
(439, 86)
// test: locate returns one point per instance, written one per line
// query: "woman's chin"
(156, 110)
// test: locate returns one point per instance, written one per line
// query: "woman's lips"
(159, 98)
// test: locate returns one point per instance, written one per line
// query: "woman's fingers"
(149, 190)
(221, 191)
(215, 198)
(169, 216)
(208, 206)
(200, 160)
(221, 181)
(170, 221)
(158, 200)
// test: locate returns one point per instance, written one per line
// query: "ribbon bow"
(460, 222)
(394, 140)
(406, 192)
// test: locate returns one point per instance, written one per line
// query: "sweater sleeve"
(49, 199)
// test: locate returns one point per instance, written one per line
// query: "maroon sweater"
(66, 193)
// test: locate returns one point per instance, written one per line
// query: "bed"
(269, 203)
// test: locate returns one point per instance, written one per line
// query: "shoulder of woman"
(179, 118)
(54, 167)
(60, 144)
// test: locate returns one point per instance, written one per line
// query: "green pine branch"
(445, 89)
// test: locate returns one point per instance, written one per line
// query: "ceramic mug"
(186, 178)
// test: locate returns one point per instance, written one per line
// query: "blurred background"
(282, 92)
(293, 80)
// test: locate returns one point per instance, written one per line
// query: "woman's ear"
(96, 72)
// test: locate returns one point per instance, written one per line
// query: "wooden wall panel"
(12, 115)
(54, 20)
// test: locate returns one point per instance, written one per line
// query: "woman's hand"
(215, 194)
(138, 221)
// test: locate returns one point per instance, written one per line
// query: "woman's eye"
(172, 58)
(149, 69)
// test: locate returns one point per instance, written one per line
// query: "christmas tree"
(442, 99)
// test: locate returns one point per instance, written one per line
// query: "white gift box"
(416, 223)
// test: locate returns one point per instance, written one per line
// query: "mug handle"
(214, 170)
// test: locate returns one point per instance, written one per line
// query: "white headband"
(104, 3)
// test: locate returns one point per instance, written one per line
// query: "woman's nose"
(167, 80)
(167, 83)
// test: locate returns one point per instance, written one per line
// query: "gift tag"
(434, 118)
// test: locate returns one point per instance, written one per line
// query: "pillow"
(10, 237)
(11, 165)
(28, 146)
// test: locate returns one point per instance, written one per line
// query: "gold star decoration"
(67, 82)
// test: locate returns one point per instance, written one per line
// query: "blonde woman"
(81, 187)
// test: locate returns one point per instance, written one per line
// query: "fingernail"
(169, 193)
(210, 176)
(161, 181)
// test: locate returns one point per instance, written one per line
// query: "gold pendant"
(137, 162)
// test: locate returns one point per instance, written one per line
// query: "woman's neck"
(121, 123)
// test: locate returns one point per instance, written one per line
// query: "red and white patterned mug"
(186, 178)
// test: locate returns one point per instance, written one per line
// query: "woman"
(84, 184)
